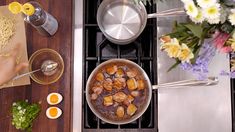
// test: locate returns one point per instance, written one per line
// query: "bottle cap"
(15, 7)
(28, 9)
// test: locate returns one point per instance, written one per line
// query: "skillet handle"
(169, 13)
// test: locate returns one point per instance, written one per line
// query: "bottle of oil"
(45, 23)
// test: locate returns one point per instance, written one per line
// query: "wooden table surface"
(62, 43)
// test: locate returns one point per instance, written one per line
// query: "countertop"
(62, 42)
(192, 109)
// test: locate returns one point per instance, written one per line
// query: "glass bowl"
(37, 59)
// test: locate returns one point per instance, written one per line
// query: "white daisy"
(214, 20)
(199, 18)
(186, 1)
(231, 17)
(206, 3)
(212, 12)
(191, 9)
(223, 15)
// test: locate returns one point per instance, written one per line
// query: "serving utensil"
(192, 82)
(47, 66)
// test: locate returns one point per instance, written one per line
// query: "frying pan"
(122, 21)
(148, 88)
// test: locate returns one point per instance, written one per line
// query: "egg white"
(60, 98)
(58, 114)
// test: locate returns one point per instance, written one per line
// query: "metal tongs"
(192, 82)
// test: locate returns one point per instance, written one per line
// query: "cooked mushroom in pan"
(119, 97)
(118, 91)
(131, 84)
(120, 111)
(108, 100)
(100, 77)
(108, 84)
(119, 83)
(111, 69)
(131, 109)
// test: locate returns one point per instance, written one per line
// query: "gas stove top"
(204, 109)
(98, 49)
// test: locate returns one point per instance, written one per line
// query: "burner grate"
(98, 49)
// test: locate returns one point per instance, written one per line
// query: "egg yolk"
(53, 112)
(54, 98)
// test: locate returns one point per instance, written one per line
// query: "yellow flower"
(191, 9)
(172, 48)
(232, 64)
(232, 41)
(186, 54)
(165, 39)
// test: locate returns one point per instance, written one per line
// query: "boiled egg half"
(54, 98)
(53, 112)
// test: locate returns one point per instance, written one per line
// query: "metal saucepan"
(147, 90)
(122, 21)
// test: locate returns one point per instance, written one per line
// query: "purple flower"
(230, 74)
(200, 67)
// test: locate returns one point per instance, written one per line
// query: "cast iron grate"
(98, 49)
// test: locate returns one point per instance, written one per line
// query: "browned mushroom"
(131, 109)
(131, 73)
(97, 89)
(128, 100)
(94, 96)
(135, 93)
(131, 84)
(140, 84)
(119, 83)
(120, 112)
(119, 97)
(99, 77)
(108, 84)
(108, 100)
(111, 69)
(120, 73)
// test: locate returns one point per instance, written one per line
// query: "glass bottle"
(45, 23)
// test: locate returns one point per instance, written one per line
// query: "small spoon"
(47, 66)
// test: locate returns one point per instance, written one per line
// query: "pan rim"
(98, 114)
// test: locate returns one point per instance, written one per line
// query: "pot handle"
(180, 84)
(169, 13)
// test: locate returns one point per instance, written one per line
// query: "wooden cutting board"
(18, 38)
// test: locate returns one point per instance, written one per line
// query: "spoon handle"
(25, 74)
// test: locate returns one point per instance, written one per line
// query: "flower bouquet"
(211, 30)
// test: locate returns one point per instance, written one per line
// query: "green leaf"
(174, 66)
(197, 30)
(23, 115)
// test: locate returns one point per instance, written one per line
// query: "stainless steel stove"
(194, 109)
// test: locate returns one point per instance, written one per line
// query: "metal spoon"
(47, 66)
(178, 84)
